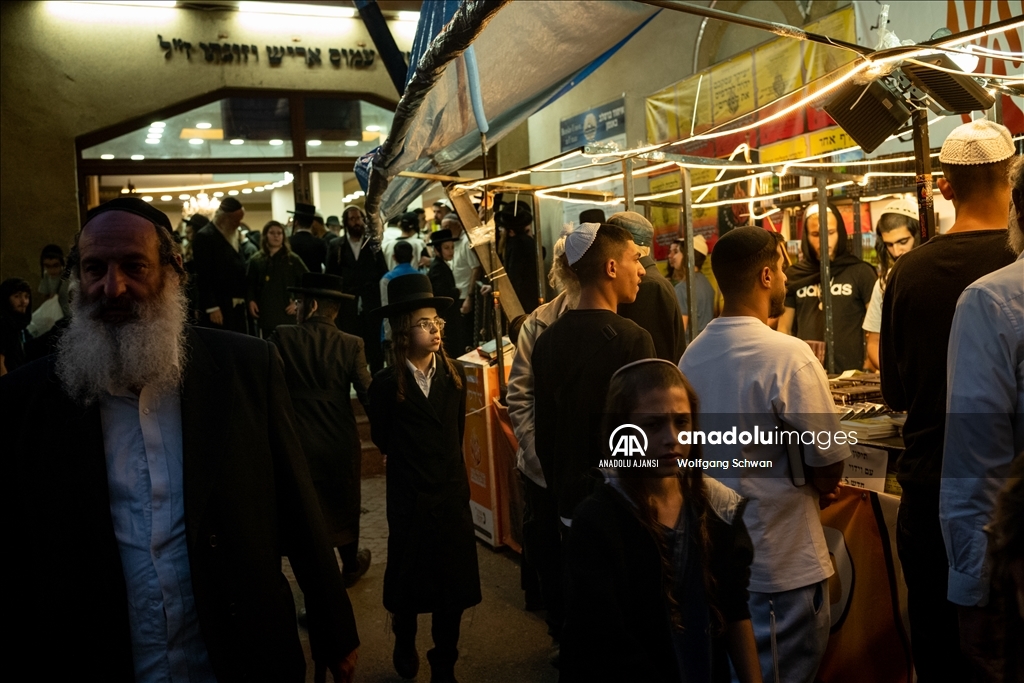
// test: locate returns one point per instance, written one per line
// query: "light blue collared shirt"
(985, 422)
(143, 445)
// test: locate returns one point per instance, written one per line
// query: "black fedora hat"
(515, 215)
(409, 292)
(304, 210)
(321, 285)
(592, 216)
(439, 236)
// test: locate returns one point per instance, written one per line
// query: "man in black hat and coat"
(172, 473)
(442, 281)
(310, 248)
(520, 255)
(221, 253)
(321, 364)
(358, 260)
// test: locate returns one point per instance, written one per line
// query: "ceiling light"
(147, 198)
(195, 141)
(247, 191)
(259, 189)
(297, 8)
(166, 198)
(238, 141)
(158, 124)
(184, 197)
(408, 16)
(138, 157)
(275, 142)
(138, 3)
(269, 187)
(155, 136)
(152, 141)
(359, 193)
(108, 157)
(351, 143)
(218, 194)
(313, 143)
(372, 129)
(203, 125)
(125, 190)
(232, 192)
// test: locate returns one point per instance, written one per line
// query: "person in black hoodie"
(658, 558)
(852, 283)
(15, 315)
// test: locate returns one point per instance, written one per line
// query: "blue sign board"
(594, 125)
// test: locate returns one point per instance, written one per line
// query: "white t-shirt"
(418, 245)
(746, 375)
(462, 264)
(873, 318)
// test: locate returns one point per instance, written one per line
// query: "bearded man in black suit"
(161, 461)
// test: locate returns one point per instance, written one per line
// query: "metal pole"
(691, 260)
(826, 273)
(923, 169)
(858, 239)
(539, 242)
(627, 183)
(500, 350)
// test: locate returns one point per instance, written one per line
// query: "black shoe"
(405, 657)
(363, 560)
(442, 668)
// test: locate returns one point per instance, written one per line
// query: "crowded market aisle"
(501, 642)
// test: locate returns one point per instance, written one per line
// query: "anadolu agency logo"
(628, 442)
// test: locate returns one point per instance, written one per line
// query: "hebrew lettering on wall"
(236, 53)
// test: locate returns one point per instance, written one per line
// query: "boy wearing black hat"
(417, 416)
(321, 365)
(748, 377)
(310, 248)
(520, 255)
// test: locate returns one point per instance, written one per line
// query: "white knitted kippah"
(579, 240)
(977, 142)
(902, 207)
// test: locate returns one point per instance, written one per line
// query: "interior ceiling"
(388, 6)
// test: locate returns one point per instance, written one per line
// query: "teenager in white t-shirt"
(748, 376)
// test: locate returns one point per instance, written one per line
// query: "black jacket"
(617, 620)
(220, 274)
(656, 309)
(310, 248)
(520, 261)
(360, 278)
(321, 364)
(247, 491)
(432, 564)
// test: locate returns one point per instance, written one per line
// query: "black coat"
(442, 283)
(360, 278)
(220, 275)
(432, 564)
(267, 281)
(310, 248)
(617, 620)
(520, 261)
(321, 363)
(247, 491)
(656, 309)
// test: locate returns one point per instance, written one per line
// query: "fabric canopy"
(527, 55)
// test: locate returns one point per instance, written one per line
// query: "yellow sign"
(821, 59)
(794, 148)
(777, 69)
(693, 95)
(828, 140)
(661, 116)
(732, 87)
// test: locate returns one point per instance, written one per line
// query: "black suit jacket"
(656, 309)
(321, 364)
(360, 277)
(310, 248)
(247, 496)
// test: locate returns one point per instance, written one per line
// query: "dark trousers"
(453, 336)
(444, 629)
(372, 343)
(347, 552)
(542, 550)
(934, 627)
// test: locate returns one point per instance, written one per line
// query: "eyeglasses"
(428, 325)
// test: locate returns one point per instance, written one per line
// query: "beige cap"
(700, 245)
(977, 142)
(903, 207)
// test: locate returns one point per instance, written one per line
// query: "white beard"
(95, 358)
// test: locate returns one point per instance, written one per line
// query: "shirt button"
(213, 540)
(145, 411)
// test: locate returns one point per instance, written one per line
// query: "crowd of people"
(190, 454)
